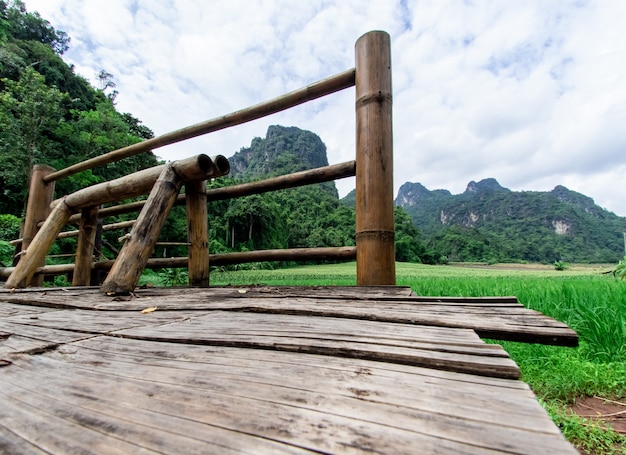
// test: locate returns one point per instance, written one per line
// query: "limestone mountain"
(490, 222)
(285, 149)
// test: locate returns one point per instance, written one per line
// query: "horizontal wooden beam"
(67, 234)
(309, 177)
(294, 254)
(195, 168)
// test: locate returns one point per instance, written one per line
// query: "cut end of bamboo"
(222, 164)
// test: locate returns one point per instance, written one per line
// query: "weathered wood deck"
(268, 370)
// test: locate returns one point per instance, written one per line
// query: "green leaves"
(30, 111)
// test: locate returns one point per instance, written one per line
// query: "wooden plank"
(98, 322)
(502, 321)
(453, 349)
(13, 310)
(325, 404)
(320, 407)
(19, 338)
(334, 337)
(74, 424)
(10, 442)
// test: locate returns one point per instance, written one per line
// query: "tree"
(29, 113)
(107, 82)
(409, 247)
(27, 26)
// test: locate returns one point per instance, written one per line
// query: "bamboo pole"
(134, 255)
(139, 183)
(197, 234)
(308, 177)
(35, 255)
(37, 208)
(68, 234)
(96, 276)
(85, 246)
(114, 210)
(375, 230)
(310, 92)
(345, 253)
(107, 227)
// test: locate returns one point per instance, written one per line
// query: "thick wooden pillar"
(87, 230)
(375, 229)
(197, 233)
(40, 196)
(133, 257)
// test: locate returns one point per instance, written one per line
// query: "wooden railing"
(373, 168)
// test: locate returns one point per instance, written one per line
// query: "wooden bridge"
(367, 369)
(268, 370)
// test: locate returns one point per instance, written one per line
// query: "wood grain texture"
(85, 246)
(490, 317)
(107, 394)
(197, 233)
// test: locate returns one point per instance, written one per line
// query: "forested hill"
(50, 115)
(284, 150)
(490, 222)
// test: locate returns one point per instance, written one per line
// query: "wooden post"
(197, 233)
(84, 250)
(375, 229)
(134, 255)
(35, 255)
(40, 196)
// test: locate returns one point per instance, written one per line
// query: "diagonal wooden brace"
(134, 255)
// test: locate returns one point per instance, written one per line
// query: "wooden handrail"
(310, 92)
(291, 254)
(67, 234)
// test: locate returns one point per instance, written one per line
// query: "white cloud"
(528, 92)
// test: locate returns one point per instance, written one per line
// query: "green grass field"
(592, 303)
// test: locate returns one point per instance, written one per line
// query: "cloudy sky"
(530, 92)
